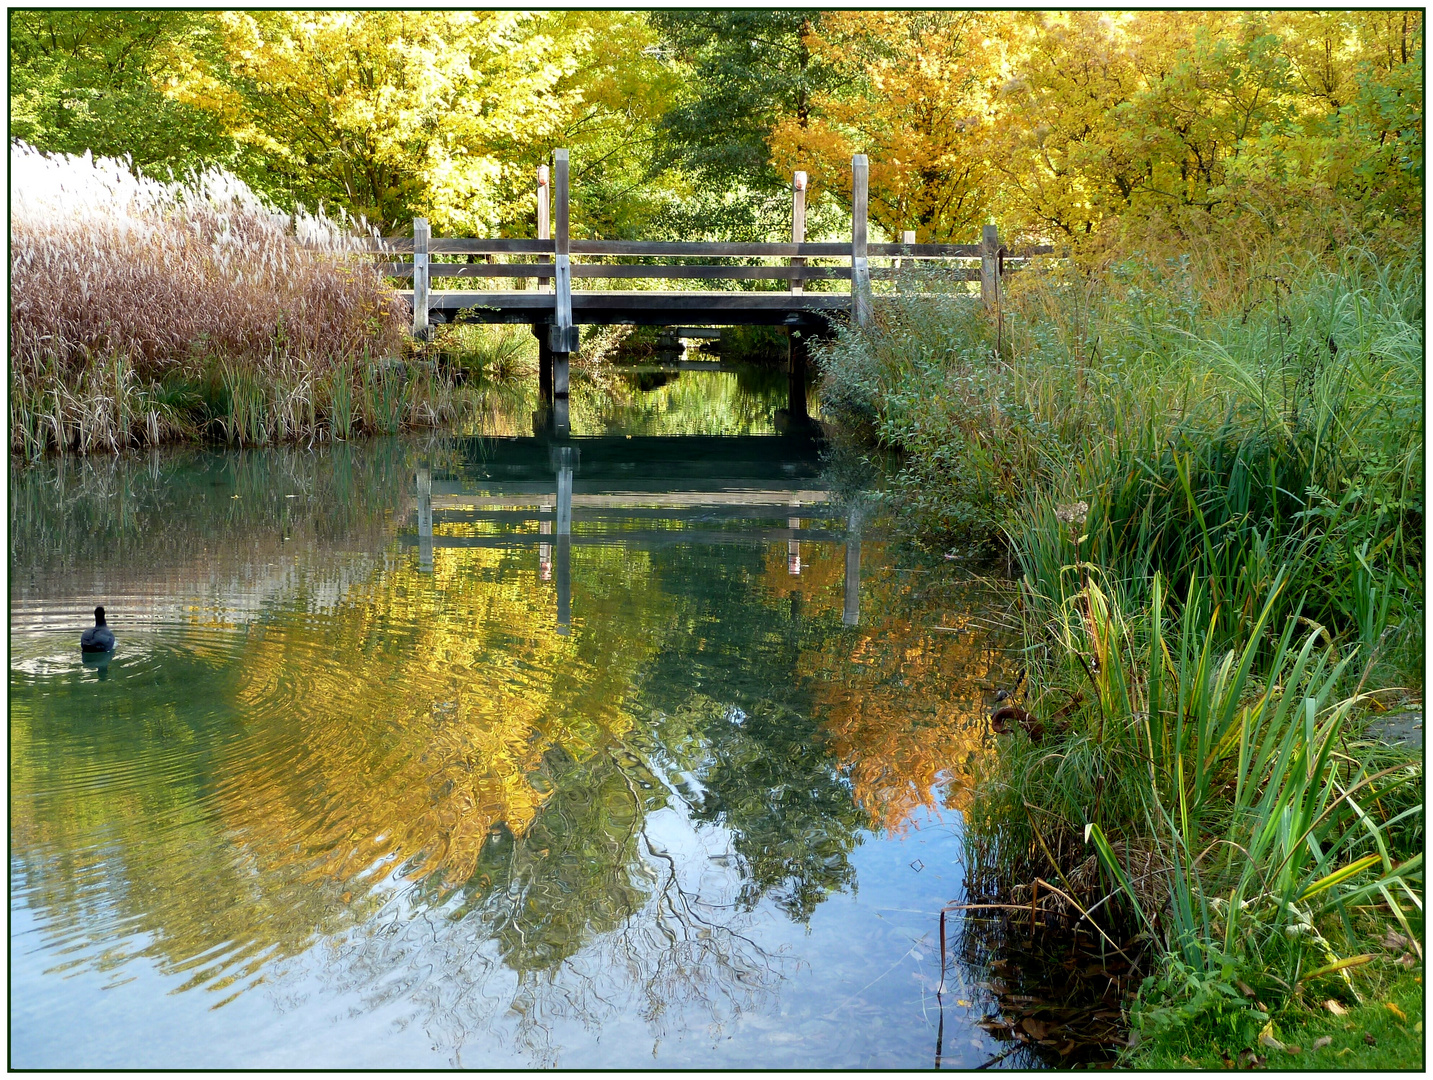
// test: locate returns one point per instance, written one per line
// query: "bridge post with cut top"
(798, 222)
(420, 278)
(908, 237)
(860, 268)
(540, 330)
(990, 266)
(544, 218)
(563, 337)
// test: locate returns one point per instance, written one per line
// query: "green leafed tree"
(744, 71)
(95, 80)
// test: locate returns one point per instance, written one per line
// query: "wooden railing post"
(989, 267)
(564, 333)
(798, 222)
(543, 333)
(908, 237)
(544, 225)
(860, 269)
(420, 278)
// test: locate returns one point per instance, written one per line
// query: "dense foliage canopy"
(1077, 126)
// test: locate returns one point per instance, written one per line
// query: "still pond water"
(634, 749)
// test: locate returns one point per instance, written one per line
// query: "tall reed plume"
(122, 285)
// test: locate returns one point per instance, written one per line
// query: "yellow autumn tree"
(391, 114)
(1184, 124)
(913, 97)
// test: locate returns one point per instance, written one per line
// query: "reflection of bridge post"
(793, 548)
(796, 376)
(544, 548)
(425, 519)
(565, 458)
(851, 611)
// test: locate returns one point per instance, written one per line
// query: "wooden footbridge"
(555, 310)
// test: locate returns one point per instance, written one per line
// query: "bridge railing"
(556, 245)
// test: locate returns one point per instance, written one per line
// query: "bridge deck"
(655, 308)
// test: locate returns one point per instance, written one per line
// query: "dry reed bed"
(124, 288)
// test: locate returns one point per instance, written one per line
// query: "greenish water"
(644, 754)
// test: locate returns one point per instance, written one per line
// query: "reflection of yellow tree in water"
(903, 702)
(412, 724)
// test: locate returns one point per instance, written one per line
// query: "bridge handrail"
(708, 273)
(460, 245)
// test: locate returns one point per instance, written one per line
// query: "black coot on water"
(98, 638)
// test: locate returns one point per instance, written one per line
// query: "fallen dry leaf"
(1334, 1007)
(1266, 1037)
(1395, 1010)
(1321, 1042)
(1369, 1039)
(1291, 1048)
(1394, 940)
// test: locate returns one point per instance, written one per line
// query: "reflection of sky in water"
(855, 988)
(331, 808)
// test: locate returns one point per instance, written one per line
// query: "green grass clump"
(1366, 1038)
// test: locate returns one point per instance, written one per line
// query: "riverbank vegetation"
(1212, 498)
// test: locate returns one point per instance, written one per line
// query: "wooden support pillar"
(561, 418)
(798, 223)
(420, 278)
(989, 267)
(860, 268)
(542, 332)
(564, 333)
(544, 223)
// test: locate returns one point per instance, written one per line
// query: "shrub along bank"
(1213, 496)
(144, 311)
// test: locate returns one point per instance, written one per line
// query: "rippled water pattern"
(677, 787)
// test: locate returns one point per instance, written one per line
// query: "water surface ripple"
(393, 767)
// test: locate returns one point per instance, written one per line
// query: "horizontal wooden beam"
(658, 300)
(693, 249)
(728, 273)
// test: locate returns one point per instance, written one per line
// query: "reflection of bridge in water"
(645, 491)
